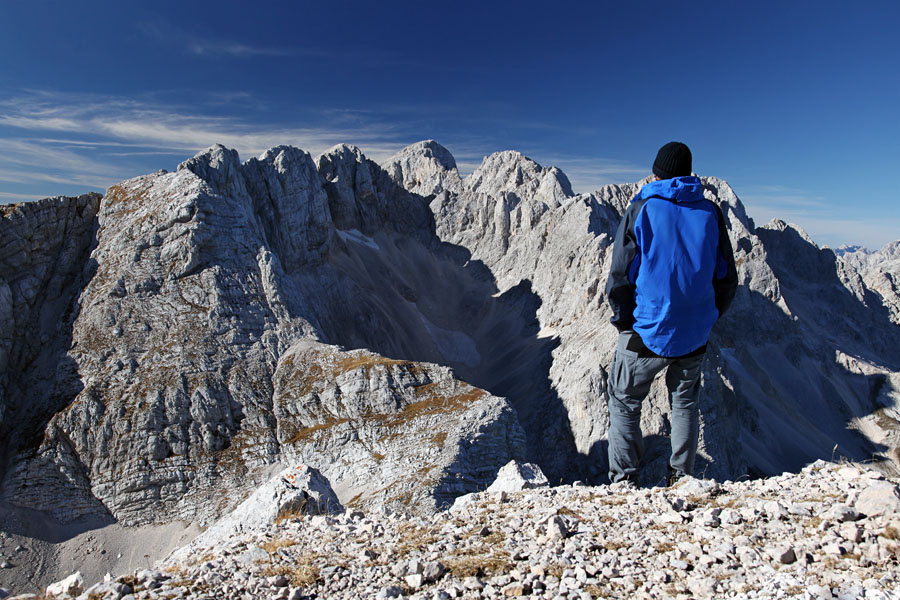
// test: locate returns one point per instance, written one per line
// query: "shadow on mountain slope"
(797, 402)
(42, 378)
(822, 304)
(407, 300)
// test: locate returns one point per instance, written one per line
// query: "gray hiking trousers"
(630, 376)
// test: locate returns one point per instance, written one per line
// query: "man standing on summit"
(672, 277)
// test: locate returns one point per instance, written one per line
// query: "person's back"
(672, 276)
(677, 234)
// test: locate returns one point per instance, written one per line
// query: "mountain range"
(403, 329)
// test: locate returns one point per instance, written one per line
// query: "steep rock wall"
(44, 251)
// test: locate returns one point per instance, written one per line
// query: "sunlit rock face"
(401, 329)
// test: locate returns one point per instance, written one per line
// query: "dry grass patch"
(890, 533)
(566, 511)
(612, 500)
(367, 361)
(303, 575)
(303, 434)
(663, 547)
(494, 538)
(596, 591)
(412, 537)
(436, 404)
(728, 501)
(478, 565)
(614, 545)
(293, 512)
(273, 546)
(554, 570)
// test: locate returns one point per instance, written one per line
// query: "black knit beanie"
(672, 160)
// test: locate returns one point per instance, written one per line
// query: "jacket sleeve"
(725, 279)
(622, 275)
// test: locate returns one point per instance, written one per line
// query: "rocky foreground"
(831, 531)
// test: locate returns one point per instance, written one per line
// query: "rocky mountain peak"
(734, 210)
(425, 168)
(219, 166)
(431, 150)
(512, 174)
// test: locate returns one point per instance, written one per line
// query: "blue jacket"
(673, 270)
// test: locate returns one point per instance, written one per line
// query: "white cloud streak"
(13, 197)
(81, 140)
(217, 48)
(823, 222)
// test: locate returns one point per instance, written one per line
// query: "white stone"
(516, 476)
(879, 498)
(297, 490)
(72, 585)
(691, 486)
(841, 513)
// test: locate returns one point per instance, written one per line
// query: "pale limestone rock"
(691, 486)
(201, 282)
(515, 477)
(879, 498)
(296, 491)
(367, 419)
(44, 264)
(425, 168)
(880, 271)
(72, 585)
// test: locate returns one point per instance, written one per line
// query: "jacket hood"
(678, 189)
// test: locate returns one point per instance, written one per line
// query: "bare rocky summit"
(830, 531)
(403, 330)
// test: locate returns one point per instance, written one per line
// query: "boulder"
(516, 476)
(879, 498)
(297, 491)
(72, 585)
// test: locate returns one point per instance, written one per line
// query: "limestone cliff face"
(204, 280)
(881, 272)
(44, 251)
(403, 330)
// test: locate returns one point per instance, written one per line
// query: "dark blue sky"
(793, 103)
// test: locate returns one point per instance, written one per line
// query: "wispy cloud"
(825, 223)
(218, 48)
(768, 202)
(96, 141)
(782, 198)
(211, 46)
(13, 197)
